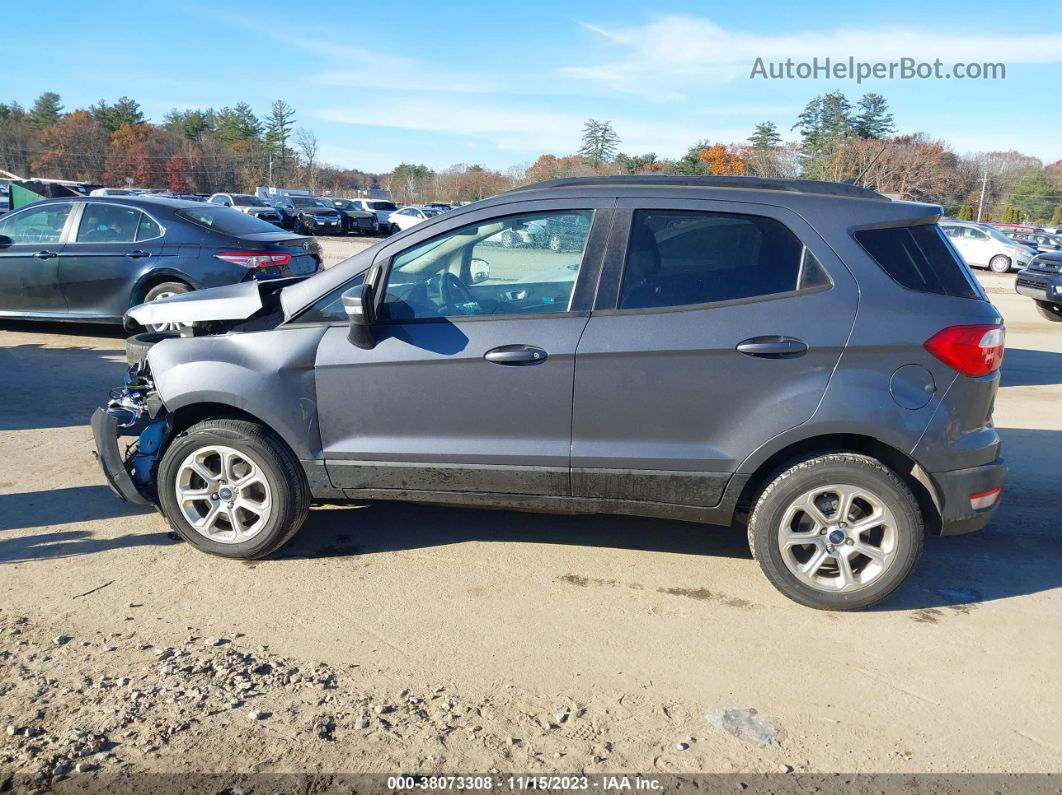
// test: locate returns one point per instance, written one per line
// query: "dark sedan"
(91, 259)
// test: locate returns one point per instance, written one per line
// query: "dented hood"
(231, 302)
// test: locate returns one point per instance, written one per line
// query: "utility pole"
(273, 186)
(981, 203)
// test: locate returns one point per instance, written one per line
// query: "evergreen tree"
(766, 136)
(600, 142)
(124, 111)
(966, 213)
(1056, 216)
(45, 111)
(237, 124)
(874, 119)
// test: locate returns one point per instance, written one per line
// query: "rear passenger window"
(918, 258)
(148, 229)
(683, 257)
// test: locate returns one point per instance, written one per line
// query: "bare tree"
(307, 146)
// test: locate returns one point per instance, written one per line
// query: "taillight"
(254, 259)
(972, 350)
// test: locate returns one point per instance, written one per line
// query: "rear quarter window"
(918, 258)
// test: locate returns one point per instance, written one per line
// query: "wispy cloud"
(660, 59)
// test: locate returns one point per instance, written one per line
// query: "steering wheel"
(454, 293)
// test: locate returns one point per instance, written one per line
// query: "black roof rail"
(812, 186)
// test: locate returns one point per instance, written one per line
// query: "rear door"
(29, 264)
(469, 385)
(114, 244)
(717, 327)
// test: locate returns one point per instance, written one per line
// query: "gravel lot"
(394, 637)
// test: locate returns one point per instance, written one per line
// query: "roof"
(806, 186)
(158, 201)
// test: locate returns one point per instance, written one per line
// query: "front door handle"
(138, 254)
(516, 355)
(45, 255)
(773, 347)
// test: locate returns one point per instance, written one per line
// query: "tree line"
(235, 149)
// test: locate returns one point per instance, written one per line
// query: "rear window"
(225, 220)
(384, 206)
(918, 258)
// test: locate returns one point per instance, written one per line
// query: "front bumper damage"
(136, 413)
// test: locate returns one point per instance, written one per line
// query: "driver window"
(516, 264)
(39, 225)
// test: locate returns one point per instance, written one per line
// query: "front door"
(717, 330)
(469, 385)
(113, 245)
(29, 264)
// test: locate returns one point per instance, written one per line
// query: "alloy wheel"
(838, 538)
(223, 494)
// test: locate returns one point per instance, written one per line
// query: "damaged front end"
(134, 412)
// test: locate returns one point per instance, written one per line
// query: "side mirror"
(480, 270)
(5, 240)
(357, 303)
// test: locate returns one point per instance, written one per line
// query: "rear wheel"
(232, 488)
(1050, 311)
(836, 532)
(555, 242)
(999, 264)
(165, 290)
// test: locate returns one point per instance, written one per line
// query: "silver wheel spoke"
(208, 521)
(847, 576)
(875, 554)
(868, 523)
(815, 562)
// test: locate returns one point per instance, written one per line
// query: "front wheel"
(1050, 311)
(999, 264)
(232, 488)
(836, 532)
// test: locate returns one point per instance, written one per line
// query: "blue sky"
(452, 82)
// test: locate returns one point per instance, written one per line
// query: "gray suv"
(810, 359)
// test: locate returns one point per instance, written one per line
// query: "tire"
(394, 229)
(276, 474)
(300, 228)
(897, 537)
(1049, 311)
(137, 346)
(165, 290)
(508, 239)
(999, 264)
(555, 243)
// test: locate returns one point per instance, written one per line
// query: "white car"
(112, 192)
(382, 207)
(985, 247)
(401, 220)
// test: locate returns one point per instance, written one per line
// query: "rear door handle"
(773, 347)
(138, 254)
(45, 255)
(516, 355)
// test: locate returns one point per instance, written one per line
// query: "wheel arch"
(905, 467)
(152, 279)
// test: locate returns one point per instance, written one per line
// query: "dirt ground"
(393, 637)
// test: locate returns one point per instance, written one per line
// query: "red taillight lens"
(972, 350)
(255, 259)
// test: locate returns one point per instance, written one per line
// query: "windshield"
(243, 200)
(223, 219)
(1002, 238)
(342, 204)
(308, 202)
